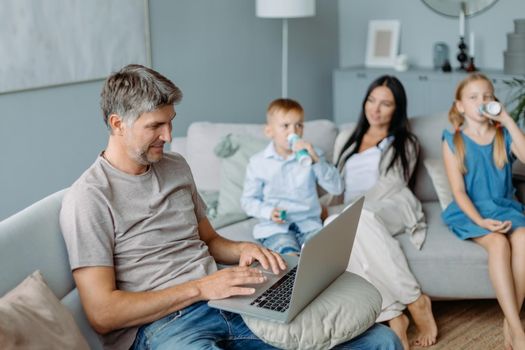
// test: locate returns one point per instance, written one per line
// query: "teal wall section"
(226, 60)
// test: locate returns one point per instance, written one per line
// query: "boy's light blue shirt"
(275, 182)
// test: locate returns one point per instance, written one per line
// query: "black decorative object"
(462, 55)
(446, 67)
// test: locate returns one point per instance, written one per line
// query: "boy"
(279, 190)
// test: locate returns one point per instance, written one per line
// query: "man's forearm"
(225, 251)
(109, 309)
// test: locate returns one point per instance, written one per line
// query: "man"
(142, 251)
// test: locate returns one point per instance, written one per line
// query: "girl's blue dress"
(489, 188)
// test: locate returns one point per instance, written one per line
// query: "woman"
(378, 160)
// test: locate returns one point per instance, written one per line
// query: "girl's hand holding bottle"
(495, 111)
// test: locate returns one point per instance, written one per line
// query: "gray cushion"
(436, 170)
(240, 231)
(348, 307)
(233, 170)
(428, 130)
(447, 267)
(31, 317)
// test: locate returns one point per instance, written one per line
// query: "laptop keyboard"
(278, 296)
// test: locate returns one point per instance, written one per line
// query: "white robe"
(390, 208)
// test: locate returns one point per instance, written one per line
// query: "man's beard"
(142, 157)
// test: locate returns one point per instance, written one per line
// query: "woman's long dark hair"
(399, 127)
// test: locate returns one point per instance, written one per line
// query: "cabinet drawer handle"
(361, 75)
(423, 78)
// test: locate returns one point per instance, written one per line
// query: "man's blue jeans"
(201, 327)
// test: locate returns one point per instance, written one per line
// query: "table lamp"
(285, 9)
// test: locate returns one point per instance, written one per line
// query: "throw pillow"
(211, 199)
(31, 317)
(235, 151)
(436, 170)
(347, 308)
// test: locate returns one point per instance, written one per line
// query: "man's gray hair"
(135, 90)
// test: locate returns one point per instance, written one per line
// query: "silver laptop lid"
(324, 257)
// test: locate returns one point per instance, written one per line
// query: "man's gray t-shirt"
(144, 226)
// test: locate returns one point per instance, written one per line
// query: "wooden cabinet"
(428, 91)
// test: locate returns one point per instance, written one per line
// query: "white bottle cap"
(292, 138)
(493, 108)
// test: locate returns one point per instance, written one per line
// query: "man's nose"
(166, 134)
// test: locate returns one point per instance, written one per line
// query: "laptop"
(323, 259)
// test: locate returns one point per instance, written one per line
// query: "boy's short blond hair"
(283, 105)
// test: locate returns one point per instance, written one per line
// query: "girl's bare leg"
(498, 247)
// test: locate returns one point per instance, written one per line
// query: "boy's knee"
(282, 243)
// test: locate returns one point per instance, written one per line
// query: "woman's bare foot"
(399, 325)
(518, 341)
(421, 311)
(507, 342)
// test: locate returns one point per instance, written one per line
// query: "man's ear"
(116, 124)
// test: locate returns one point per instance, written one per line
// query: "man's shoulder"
(92, 180)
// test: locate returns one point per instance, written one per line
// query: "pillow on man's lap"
(347, 308)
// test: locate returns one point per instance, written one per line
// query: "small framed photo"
(382, 44)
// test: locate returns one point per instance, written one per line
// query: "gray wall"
(421, 28)
(226, 60)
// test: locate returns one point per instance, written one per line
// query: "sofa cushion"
(463, 263)
(428, 130)
(31, 317)
(348, 307)
(203, 136)
(240, 231)
(235, 151)
(438, 175)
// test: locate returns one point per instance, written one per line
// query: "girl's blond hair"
(457, 119)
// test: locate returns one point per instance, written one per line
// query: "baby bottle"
(302, 155)
(492, 108)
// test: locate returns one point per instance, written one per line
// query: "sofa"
(31, 240)
(445, 266)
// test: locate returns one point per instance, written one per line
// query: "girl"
(478, 158)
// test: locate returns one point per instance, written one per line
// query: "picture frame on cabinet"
(382, 45)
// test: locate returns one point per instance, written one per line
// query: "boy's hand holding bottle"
(297, 144)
